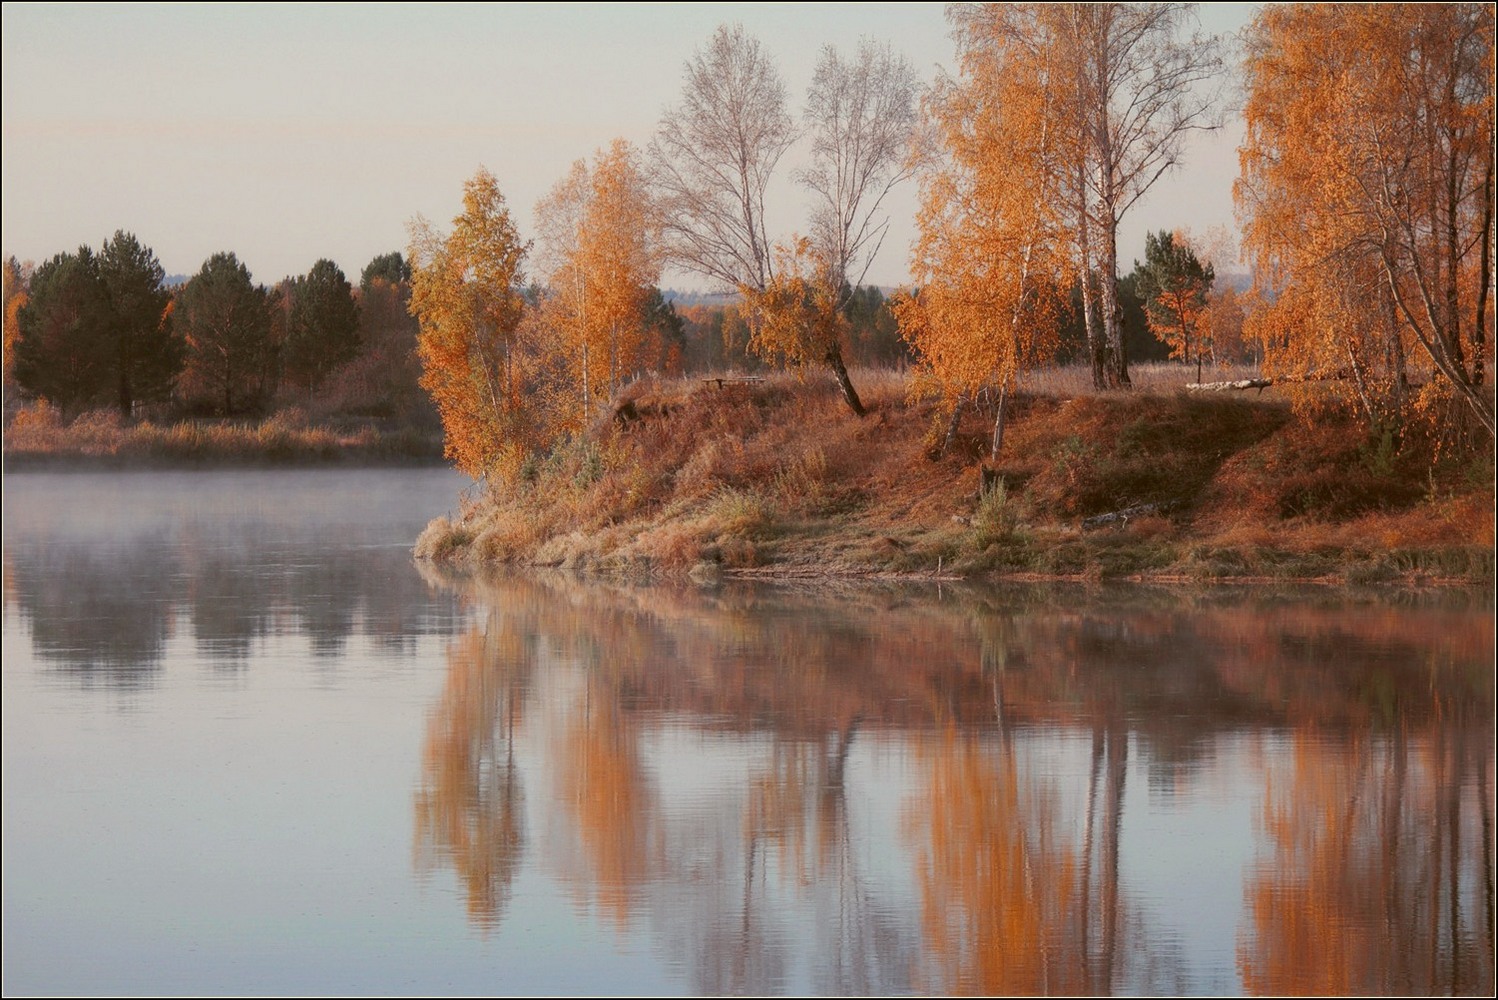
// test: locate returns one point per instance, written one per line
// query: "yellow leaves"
(797, 315)
(990, 258)
(601, 253)
(1366, 190)
(465, 294)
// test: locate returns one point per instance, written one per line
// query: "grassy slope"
(778, 478)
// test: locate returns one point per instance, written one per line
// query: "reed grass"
(39, 436)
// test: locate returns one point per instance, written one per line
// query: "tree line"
(96, 329)
(91, 329)
(1366, 204)
(1366, 200)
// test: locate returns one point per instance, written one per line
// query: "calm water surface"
(250, 747)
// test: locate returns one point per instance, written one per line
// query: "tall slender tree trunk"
(1394, 355)
(998, 424)
(1118, 769)
(850, 394)
(1485, 275)
(1112, 309)
(586, 398)
(126, 396)
(613, 358)
(947, 439)
(1096, 345)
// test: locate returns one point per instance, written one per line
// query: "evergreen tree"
(1174, 286)
(63, 353)
(391, 268)
(148, 355)
(322, 325)
(227, 322)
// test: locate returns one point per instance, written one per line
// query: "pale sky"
(287, 133)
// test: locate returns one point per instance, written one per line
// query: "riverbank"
(778, 479)
(37, 439)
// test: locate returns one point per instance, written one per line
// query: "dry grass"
(1154, 377)
(38, 436)
(779, 477)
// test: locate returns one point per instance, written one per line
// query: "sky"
(290, 133)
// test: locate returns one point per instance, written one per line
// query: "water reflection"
(103, 589)
(100, 614)
(470, 807)
(1377, 869)
(888, 791)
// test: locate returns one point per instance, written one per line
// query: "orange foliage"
(465, 291)
(990, 263)
(1372, 884)
(998, 883)
(15, 301)
(797, 313)
(1367, 195)
(603, 257)
(469, 810)
(604, 786)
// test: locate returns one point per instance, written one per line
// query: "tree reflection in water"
(712, 766)
(469, 810)
(103, 610)
(1377, 870)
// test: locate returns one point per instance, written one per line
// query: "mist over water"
(250, 746)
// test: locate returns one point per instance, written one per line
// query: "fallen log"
(1263, 383)
(1121, 517)
(1242, 383)
(722, 380)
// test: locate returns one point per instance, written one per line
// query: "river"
(251, 747)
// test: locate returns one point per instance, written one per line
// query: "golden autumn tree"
(469, 807)
(999, 880)
(601, 259)
(465, 293)
(1367, 196)
(1374, 869)
(991, 259)
(798, 314)
(605, 788)
(16, 280)
(1140, 89)
(1094, 103)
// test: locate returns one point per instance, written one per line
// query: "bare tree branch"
(713, 156)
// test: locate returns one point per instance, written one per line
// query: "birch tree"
(601, 257)
(993, 257)
(1367, 194)
(1116, 90)
(1140, 89)
(465, 293)
(862, 117)
(713, 157)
